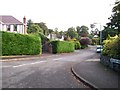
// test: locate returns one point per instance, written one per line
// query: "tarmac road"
(51, 71)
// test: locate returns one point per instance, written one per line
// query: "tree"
(72, 33)
(29, 23)
(108, 31)
(50, 31)
(34, 29)
(78, 30)
(82, 31)
(115, 18)
(44, 27)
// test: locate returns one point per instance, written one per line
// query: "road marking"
(57, 59)
(93, 60)
(5, 66)
(28, 64)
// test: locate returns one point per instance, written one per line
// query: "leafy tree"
(50, 31)
(78, 30)
(72, 33)
(115, 17)
(29, 23)
(34, 29)
(108, 31)
(82, 31)
(44, 27)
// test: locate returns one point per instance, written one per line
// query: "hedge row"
(111, 47)
(18, 44)
(62, 46)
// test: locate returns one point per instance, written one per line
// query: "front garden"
(111, 52)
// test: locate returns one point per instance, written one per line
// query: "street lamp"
(100, 36)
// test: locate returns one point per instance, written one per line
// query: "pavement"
(22, 57)
(92, 73)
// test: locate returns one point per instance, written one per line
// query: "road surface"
(45, 72)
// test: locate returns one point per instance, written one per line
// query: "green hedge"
(62, 46)
(18, 44)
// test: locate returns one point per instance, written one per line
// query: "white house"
(55, 37)
(11, 24)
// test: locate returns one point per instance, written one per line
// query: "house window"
(15, 27)
(8, 27)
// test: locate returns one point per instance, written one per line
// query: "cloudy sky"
(59, 13)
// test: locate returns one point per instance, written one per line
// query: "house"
(11, 24)
(55, 37)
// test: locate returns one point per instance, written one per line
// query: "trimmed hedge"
(18, 44)
(62, 46)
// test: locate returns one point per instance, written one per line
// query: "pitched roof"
(6, 19)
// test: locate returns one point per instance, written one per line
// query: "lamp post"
(100, 35)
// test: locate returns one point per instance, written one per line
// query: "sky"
(61, 14)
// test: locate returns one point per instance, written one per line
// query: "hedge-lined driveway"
(45, 72)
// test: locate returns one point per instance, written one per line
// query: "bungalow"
(11, 24)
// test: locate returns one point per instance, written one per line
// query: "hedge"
(18, 44)
(62, 46)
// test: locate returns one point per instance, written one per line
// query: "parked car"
(99, 48)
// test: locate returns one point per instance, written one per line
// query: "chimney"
(24, 22)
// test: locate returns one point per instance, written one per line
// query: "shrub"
(62, 46)
(43, 38)
(18, 44)
(111, 47)
(85, 41)
(95, 41)
(77, 45)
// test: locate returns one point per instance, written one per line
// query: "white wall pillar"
(23, 29)
(18, 28)
(4, 27)
(0, 27)
(11, 28)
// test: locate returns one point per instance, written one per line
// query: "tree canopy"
(82, 31)
(72, 33)
(44, 27)
(113, 27)
(115, 18)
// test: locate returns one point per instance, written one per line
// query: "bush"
(111, 47)
(43, 38)
(85, 41)
(62, 46)
(77, 45)
(18, 44)
(95, 41)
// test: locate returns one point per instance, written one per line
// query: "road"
(45, 72)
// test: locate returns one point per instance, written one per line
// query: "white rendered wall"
(0, 27)
(4, 27)
(11, 28)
